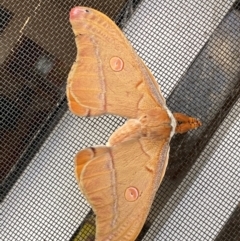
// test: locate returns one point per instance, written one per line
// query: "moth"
(119, 180)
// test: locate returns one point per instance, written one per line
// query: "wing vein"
(114, 183)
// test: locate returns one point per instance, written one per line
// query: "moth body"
(157, 123)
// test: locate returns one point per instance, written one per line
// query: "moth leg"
(185, 123)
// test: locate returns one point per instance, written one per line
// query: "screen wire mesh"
(191, 47)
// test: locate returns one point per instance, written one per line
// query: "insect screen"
(191, 47)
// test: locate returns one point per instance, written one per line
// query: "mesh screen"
(191, 47)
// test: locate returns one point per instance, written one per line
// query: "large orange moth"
(119, 180)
